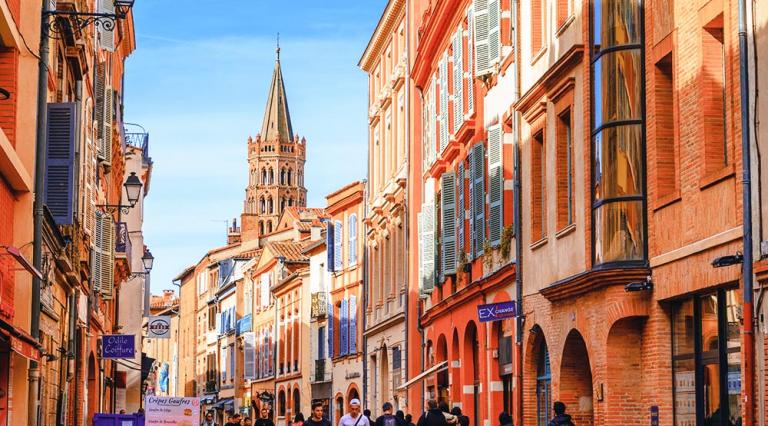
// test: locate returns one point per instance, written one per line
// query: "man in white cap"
(354, 418)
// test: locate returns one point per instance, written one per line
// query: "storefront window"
(706, 360)
(618, 140)
(543, 386)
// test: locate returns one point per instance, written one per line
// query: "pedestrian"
(208, 421)
(400, 418)
(122, 411)
(247, 421)
(367, 414)
(505, 419)
(316, 418)
(298, 420)
(463, 420)
(409, 420)
(386, 419)
(234, 420)
(264, 420)
(353, 417)
(560, 419)
(433, 416)
(450, 418)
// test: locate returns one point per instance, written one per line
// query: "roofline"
(344, 188)
(385, 23)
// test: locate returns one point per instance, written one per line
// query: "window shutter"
(428, 247)
(108, 256)
(344, 336)
(482, 54)
(353, 324)
(352, 239)
(420, 231)
(60, 162)
(103, 113)
(89, 212)
(495, 185)
(96, 254)
(443, 102)
(108, 113)
(478, 196)
(494, 38)
(338, 233)
(460, 209)
(432, 135)
(331, 352)
(471, 176)
(470, 63)
(448, 223)
(458, 81)
(107, 36)
(329, 246)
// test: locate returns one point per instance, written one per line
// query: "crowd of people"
(437, 414)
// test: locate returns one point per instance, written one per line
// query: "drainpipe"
(518, 224)
(37, 241)
(365, 299)
(749, 336)
(406, 199)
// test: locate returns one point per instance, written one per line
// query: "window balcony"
(319, 304)
(321, 372)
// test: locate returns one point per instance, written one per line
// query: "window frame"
(564, 106)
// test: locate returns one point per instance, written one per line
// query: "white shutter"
(108, 259)
(89, 172)
(482, 54)
(107, 36)
(100, 90)
(443, 102)
(448, 223)
(265, 290)
(420, 231)
(458, 81)
(428, 247)
(433, 123)
(495, 185)
(352, 239)
(97, 256)
(108, 113)
(337, 244)
(478, 196)
(470, 63)
(494, 37)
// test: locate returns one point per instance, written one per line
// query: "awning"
(440, 366)
(225, 404)
(20, 341)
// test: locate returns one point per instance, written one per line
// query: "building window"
(543, 386)
(537, 26)
(564, 169)
(352, 239)
(562, 12)
(321, 339)
(706, 359)
(281, 404)
(667, 180)
(618, 142)
(538, 187)
(713, 97)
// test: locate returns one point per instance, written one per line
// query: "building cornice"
(394, 11)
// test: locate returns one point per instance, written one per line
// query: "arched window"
(290, 201)
(262, 205)
(271, 176)
(281, 404)
(269, 227)
(263, 176)
(282, 203)
(290, 173)
(261, 227)
(543, 385)
(270, 207)
(282, 176)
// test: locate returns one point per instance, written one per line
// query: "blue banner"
(118, 346)
(496, 311)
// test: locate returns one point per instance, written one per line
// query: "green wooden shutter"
(482, 54)
(471, 162)
(494, 37)
(458, 81)
(478, 200)
(97, 257)
(495, 185)
(448, 223)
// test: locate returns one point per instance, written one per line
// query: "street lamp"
(77, 21)
(147, 261)
(133, 192)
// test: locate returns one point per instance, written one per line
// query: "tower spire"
(277, 119)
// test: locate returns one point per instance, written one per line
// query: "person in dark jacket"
(400, 418)
(409, 420)
(433, 416)
(505, 419)
(317, 419)
(387, 419)
(463, 420)
(560, 419)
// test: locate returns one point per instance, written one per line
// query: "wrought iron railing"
(319, 304)
(139, 140)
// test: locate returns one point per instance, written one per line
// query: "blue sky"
(198, 82)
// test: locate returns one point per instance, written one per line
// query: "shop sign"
(159, 327)
(496, 311)
(655, 415)
(172, 411)
(118, 346)
(24, 349)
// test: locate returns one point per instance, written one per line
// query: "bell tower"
(275, 165)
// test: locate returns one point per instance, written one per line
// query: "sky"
(197, 83)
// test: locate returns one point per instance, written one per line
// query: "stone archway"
(471, 373)
(384, 371)
(624, 381)
(455, 368)
(537, 379)
(575, 388)
(93, 387)
(441, 354)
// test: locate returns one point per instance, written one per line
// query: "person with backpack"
(354, 417)
(560, 419)
(433, 416)
(387, 419)
(463, 420)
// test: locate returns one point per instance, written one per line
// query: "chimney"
(315, 231)
(233, 233)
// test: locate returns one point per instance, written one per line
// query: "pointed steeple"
(277, 119)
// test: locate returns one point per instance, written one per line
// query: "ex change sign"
(496, 311)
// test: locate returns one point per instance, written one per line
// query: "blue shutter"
(329, 245)
(353, 324)
(448, 223)
(331, 352)
(471, 176)
(344, 336)
(321, 343)
(478, 200)
(338, 235)
(60, 162)
(460, 209)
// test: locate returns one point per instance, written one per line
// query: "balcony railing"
(123, 241)
(322, 372)
(139, 140)
(210, 386)
(319, 304)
